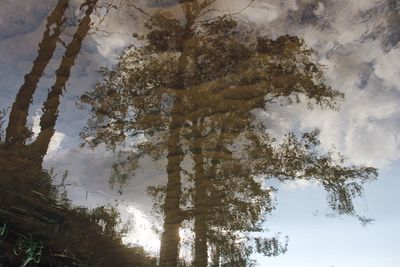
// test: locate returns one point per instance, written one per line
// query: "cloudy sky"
(358, 43)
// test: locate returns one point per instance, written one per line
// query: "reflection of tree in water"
(192, 91)
(16, 130)
(37, 222)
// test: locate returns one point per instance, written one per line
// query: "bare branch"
(140, 10)
(229, 14)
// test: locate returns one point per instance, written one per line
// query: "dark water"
(162, 133)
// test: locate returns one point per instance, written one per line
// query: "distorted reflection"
(186, 95)
(38, 223)
(190, 94)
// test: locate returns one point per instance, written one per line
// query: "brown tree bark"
(200, 201)
(173, 215)
(50, 106)
(16, 132)
(169, 251)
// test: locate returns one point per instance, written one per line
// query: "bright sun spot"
(142, 232)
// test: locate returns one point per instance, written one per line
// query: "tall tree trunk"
(200, 200)
(215, 257)
(169, 251)
(50, 106)
(16, 132)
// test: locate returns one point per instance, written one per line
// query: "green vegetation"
(193, 90)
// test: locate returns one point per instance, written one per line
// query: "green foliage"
(107, 217)
(29, 249)
(270, 246)
(192, 91)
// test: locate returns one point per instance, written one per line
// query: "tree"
(192, 91)
(16, 131)
(38, 222)
(50, 106)
(15, 147)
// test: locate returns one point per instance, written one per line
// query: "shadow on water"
(190, 95)
(38, 224)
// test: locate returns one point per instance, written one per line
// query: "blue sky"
(357, 41)
(318, 240)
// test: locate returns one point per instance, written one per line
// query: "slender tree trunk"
(50, 106)
(169, 251)
(200, 200)
(215, 257)
(16, 132)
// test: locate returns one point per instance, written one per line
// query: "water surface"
(199, 133)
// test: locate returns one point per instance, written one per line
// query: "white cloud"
(388, 67)
(367, 127)
(56, 140)
(299, 184)
(55, 143)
